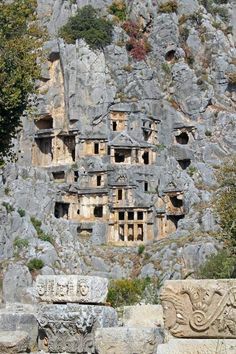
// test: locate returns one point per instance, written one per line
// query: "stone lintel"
(72, 288)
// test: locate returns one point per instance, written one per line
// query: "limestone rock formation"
(119, 151)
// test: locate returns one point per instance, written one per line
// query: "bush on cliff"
(223, 264)
(96, 31)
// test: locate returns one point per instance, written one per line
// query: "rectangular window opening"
(120, 194)
(96, 148)
(99, 181)
(130, 215)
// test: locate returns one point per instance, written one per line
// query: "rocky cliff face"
(121, 152)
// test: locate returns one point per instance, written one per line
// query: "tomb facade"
(107, 172)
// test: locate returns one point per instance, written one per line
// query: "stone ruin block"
(125, 340)
(14, 342)
(70, 328)
(198, 346)
(148, 316)
(200, 308)
(72, 288)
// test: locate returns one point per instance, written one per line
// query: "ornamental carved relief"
(200, 308)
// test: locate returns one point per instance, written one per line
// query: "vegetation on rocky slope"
(20, 38)
(223, 264)
(96, 31)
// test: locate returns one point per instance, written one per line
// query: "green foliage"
(41, 235)
(35, 222)
(225, 201)
(192, 170)
(20, 243)
(35, 264)
(141, 249)
(118, 9)
(124, 292)
(169, 6)
(208, 133)
(97, 32)
(219, 266)
(9, 207)
(213, 6)
(7, 191)
(166, 67)
(20, 39)
(21, 212)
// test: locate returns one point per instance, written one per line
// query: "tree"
(20, 40)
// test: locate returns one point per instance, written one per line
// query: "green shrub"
(7, 191)
(169, 6)
(41, 235)
(35, 264)
(126, 291)
(218, 266)
(9, 207)
(166, 67)
(118, 9)
(192, 170)
(225, 201)
(208, 133)
(20, 243)
(21, 212)
(141, 249)
(97, 32)
(46, 237)
(35, 222)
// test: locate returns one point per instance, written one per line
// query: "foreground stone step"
(17, 317)
(124, 340)
(198, 346)
(200, 308)
(70, 327)
(143, 316)
(72, 288)
(14, 342)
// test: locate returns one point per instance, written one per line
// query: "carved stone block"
(70, 327)
(200, 308)
(72, 288)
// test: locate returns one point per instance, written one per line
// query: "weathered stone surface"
(70, 328)
(18, 318)
(13, 342)
(200, 308)
(198, 346)
(143, 316)
(72, 288)
(16, 279)
(123, 340)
